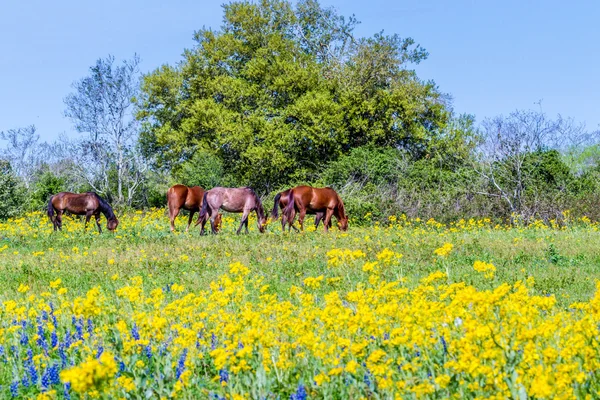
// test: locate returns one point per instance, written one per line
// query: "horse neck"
(340, 211)
(106, 209)
(259, 208)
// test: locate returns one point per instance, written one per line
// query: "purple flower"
(300, 393)
(223, 375)
(135, 334)
(100, 351)
(181, 363)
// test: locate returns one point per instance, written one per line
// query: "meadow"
(406, 308)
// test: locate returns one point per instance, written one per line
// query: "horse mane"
(259, 207)
(104, 207)
(340, 207)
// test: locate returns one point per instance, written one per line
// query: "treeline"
(284, 94)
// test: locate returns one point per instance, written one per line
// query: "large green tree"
(280, 90)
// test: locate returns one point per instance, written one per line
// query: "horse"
(305, 198)
(281, 200)
(188, 198)
(237, 200)
(87, 204)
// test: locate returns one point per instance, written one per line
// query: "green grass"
(565, 263)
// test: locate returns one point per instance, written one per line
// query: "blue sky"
(492, 57)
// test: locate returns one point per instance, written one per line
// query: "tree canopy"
(280, 90)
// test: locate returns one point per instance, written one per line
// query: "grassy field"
(412, 308)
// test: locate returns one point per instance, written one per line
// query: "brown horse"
(87, 204)
(237, 200)
(281, 200)
(188, 198)
(303, 199)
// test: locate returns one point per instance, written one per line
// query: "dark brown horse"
(236, 200)
(87, 204)
(303, 199)
(188, 198)
(281, 200)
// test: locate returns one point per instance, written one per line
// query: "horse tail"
(204, 209)
(275, 212)
(290, 205)
(50, 209)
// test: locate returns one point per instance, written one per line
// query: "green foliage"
(10, 191)
(202, 169)
(278, 92)
(43, 187)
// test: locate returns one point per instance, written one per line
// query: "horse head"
(112, 224)
(218, 220)
(262, 223)
(343, 223)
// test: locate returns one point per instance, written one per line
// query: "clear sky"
(492, 57)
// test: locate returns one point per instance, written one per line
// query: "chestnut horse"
(303, 199)
(281, 200)
(87, 204)
(237, 200)
(188, 198)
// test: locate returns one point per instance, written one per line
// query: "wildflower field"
(406, 309)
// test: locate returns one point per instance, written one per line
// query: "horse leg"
(58, 219)
(327, 222)
(301, 218)
(173, 213)
(192, 212)
(244, 221)
(98, 223)
(88, 215)
(318, 218)
(213, 217)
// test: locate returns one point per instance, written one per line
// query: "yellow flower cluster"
(92, 374)
(487, 268)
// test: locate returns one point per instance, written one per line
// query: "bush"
(11, 191)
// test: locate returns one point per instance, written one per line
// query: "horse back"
(75, 203)
(194, 196)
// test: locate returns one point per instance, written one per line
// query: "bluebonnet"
(100, 351)
(121, 366)
(41, 341)
(79, 329)
(213, 342)
(14, 388)
(53, 374)
(386, 336)
(300, 393)
(135, 333)
(90, 326)
(444, 345)
(54, 322)
(1, 351)
(25, 381)
(63, 356)
(45, 380)
(223, 375)
(67, 392)
(24, 338)
(54, 339)
(181, 363)
(68, 339)
(44, 315)
(148, 351)
(30, 366)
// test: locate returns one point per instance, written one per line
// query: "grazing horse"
(188, 198)
(305, 199)
(281, 200)
(87, 204)
(237, 200)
